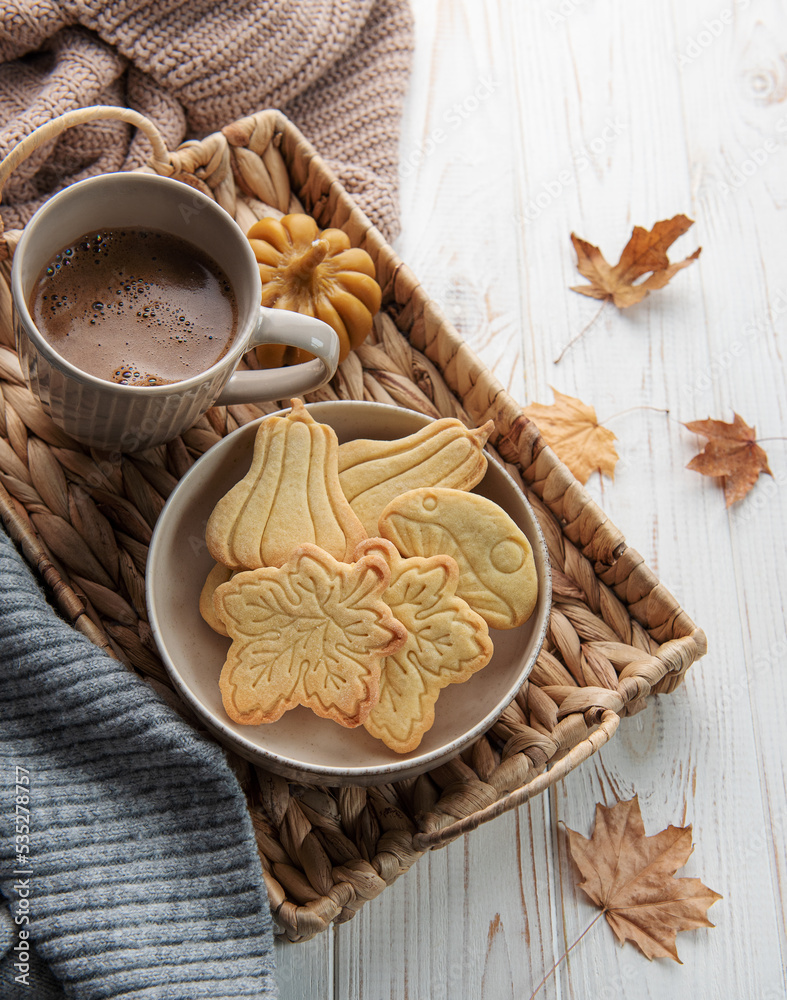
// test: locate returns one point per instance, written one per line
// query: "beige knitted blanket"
(337, 68)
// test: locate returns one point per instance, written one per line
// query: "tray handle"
(439, 838)
(160, 161)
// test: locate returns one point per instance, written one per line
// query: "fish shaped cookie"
(497, 572)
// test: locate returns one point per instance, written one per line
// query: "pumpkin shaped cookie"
(443, 453)
(290, 496)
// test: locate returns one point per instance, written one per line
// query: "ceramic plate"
(300, 746)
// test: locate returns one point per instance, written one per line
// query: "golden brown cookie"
(497, 572)
(290, 495)
(446, 643)
(313, 632)
(443, 453)
(218, 575)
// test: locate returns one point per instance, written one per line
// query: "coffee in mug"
(135, 306)
(127, 414)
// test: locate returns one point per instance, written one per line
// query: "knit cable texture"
(127, 857)
(337, 68)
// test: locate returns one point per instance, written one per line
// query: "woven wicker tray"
(84, 520)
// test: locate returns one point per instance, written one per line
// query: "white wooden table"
(525, 121)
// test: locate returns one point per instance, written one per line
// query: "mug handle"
(280, 326)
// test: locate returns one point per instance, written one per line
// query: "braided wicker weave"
(84, 521)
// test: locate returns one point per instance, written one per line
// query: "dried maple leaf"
(731, 453)
(631, 877)
(447, 643)
(571, 428)
(645, 252)
(313, 633)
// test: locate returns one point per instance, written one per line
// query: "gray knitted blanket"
(127, 859)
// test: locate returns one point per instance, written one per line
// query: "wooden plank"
(678, 523)
(593, 121)
(305, 969)
(701, 754)
(743, 198)
(459, 235)
(469, 920)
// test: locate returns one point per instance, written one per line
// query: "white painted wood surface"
(525, 121)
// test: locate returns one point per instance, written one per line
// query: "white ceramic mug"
(114, 417)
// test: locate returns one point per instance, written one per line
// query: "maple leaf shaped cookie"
(446, 643)
(312, 632)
